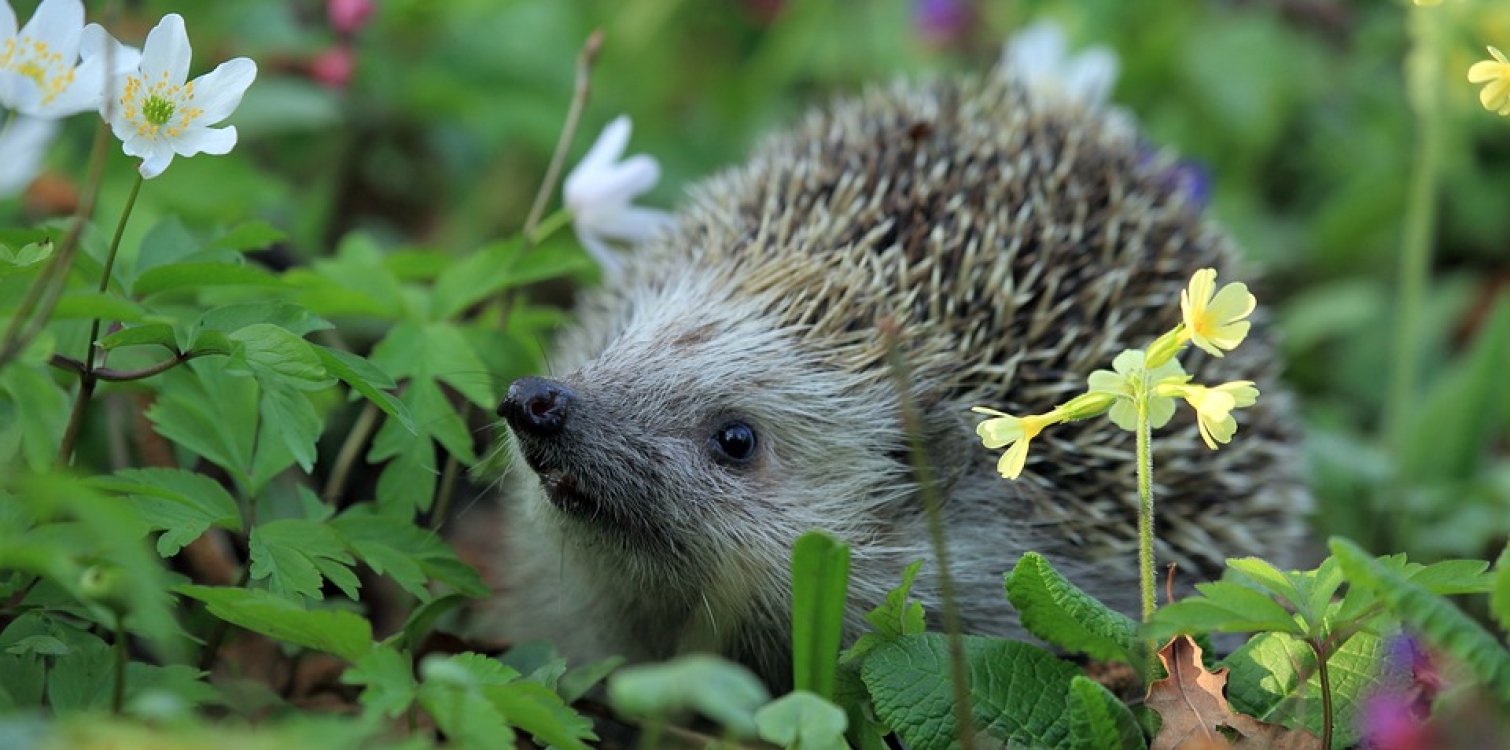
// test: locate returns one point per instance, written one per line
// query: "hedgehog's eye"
(734, 442)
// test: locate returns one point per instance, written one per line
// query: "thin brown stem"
(585, 59)
(123, 376)
(1326, 692)
(351, 449)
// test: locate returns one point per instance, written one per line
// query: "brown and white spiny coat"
(732, 390)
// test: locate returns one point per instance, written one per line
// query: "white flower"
(600, 190)
(156, 114)
(22, 144)
(1038, 57)
(40, 72)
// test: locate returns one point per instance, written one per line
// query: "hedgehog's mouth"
(564, 493)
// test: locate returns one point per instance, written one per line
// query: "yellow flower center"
(160, 110)
(35, 60)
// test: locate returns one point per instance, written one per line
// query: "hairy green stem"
(1145, 508)
(88, 379)
(1326, 692)
(1423, 73)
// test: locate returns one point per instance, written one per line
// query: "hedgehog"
(731, 389)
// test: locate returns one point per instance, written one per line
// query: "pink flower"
(334, 67)
(348, 16)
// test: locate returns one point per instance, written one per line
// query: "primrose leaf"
(803, 720)
(1099, 720)
(344, 634)
(181, 503)
(294, 554)
(719, 689)
(1053, 609)
(1223, 606)
(1436, 619)
(820, 578)
(1018, 691)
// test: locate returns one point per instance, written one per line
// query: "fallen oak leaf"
(1195, 711)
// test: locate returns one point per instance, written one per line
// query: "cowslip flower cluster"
(1147, 383)
(1495, 75)
(600, 193)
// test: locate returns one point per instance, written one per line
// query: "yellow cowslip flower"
(1495, 96)
(1121, 382)
(1428, 2)
(1213, 407)
(1214, 320)
(1014, 434)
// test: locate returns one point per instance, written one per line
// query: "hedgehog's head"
(696, 438)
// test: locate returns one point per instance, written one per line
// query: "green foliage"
(1053, 609)
(718, 689)
(802, 721)
(899, 616)
(820, 582)
(1499, 598)
(1099, 720)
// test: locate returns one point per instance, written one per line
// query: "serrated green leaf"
(1268, 576)
(408, 483)
(409, 554)
(296, 320)
(802, 720)
(277, 355)
(33, 414)
(897, 617)
(719, 689)
(440, 351)
(41, 645)
(472, 279)
(180, 276)
(354, 282)
(344, 634)
(538, 710)
(1058, 612)
(165, 242)
(1436, 619)
(387, 680)
(1018, 691)
(580, 679)
(181, 503)
(293, 555)
(1452, 577)
(159, 334)
(865, 732)
(1499, 597)
(1224, 607)
(1099, 721)
(288, 416)
(820, 582)
(252, 235)
(1274, 678)
(367, 379)
(451, 691)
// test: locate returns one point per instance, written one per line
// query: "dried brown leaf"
(1196, 713)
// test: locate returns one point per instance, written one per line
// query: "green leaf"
(25, 256)
(1268, 576)
(802, 720)
(180, 276)
(474, 278)
(1099, 721)
(181, 503)
(1058, 612)
(895, 618)
(1499, 598)
(344, 634)
(451, 691)
(387, 680)
(719, 689)
(1018, 691)
(292, 318)
(1223, 606)
(1274, 678)
(409, 554)
(820, 580)
(252, 235)
(294, 554)
(1435, 618)
(33, 413)
(438, 350)
(408, 483)
(275, 355)
(367, 379)
(1460, 412)
(147, 334)
(1452, 577)
(537, 709)
(80, 304)
(865, 732)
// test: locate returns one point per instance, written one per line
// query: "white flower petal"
(165, 56)
(58, 23)
(7, 21)
(609, 146)
(23, 143)
(632, 224)
(616, 184)
(607, 259)
(1091, 75)
(98, 45)
(219, 91)
(205, 141)
(1036, 51)
(155, 162)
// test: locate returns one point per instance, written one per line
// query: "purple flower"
(942, 22)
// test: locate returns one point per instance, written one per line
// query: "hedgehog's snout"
(537, 407)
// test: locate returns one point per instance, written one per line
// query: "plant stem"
(448, 475)
(36, 308)
(1423, 70)
(351, 449)
(87, 379)
(217, 636)
(1145, 509)
(118, 694)
(1326, 693)
(585, 60)
(547, 227)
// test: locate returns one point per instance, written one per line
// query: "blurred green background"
(430, 125)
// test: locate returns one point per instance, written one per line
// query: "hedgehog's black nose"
(536, 406)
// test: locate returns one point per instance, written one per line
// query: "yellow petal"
(995, 433)
(1013, 460)
(1483, 70)
(1233, 302)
